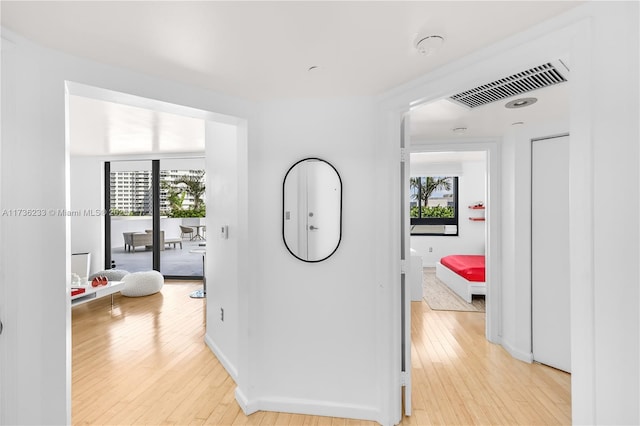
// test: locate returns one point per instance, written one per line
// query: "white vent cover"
(535, 78)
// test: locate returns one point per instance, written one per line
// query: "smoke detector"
(428, 45)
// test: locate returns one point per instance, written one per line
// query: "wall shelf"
(477, 213)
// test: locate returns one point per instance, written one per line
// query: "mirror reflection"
(312, 210)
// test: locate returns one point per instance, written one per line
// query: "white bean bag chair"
(139, 284)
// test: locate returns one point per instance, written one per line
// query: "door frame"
(209, 117)
(493, 324)
(405, 260)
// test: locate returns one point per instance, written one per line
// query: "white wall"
(615, 132)
(471, 235)
(314, 323)
(222, 262)
(35, 356)
(87, 193)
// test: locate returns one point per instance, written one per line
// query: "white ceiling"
(106, 128)
(443, 163)
(423, 158)
(262, 50)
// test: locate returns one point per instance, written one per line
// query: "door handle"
(312, 228)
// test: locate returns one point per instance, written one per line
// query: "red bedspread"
(468, 266)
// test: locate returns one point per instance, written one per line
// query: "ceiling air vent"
(535, 78)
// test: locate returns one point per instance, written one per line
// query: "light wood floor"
(144, 362)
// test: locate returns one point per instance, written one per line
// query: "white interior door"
(323, 201)
(550, 252)
(405, 254)
(295, 220)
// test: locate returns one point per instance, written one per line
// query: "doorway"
(223, 139)
(505, 140)
(448, 218)
(481, 161)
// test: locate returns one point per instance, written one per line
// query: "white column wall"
(314, 346)
(34, 250)
(615, 132)
(222, 260)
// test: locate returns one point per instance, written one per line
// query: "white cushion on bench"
(111, 274)
(144, 283)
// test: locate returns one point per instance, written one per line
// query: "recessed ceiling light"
(517, 123)
(521, 103)
(313, 68)
(428, 45)
(459, 130)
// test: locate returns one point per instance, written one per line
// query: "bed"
(464, 274)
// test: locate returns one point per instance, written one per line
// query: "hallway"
(461, 378)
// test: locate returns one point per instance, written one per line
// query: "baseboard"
(226, 363)
(516, 353)
(243, 402)
(308, 407)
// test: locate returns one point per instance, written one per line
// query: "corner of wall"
(247, 407)
(515, 352)
(308, 407)
(224, 360)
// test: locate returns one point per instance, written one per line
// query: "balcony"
(174, 260)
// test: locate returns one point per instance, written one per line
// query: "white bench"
(93, 293)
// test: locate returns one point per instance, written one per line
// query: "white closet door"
(550, 252)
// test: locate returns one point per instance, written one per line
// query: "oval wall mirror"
(312, 210)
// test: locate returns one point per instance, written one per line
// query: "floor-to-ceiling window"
(175, 216)
(183, 211)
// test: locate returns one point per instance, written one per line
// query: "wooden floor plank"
(143, 361)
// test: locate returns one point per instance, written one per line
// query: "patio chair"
(127, 240)
(150, 231)
(185, 230)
